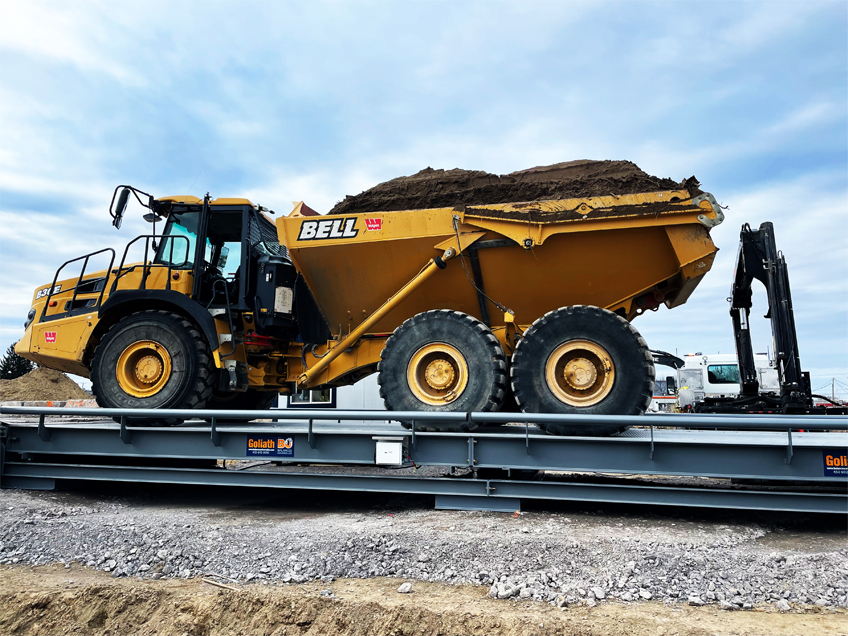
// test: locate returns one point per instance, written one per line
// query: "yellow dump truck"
(466, 308)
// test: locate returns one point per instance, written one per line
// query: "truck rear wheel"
(442, 360)
(582, 360)
(150, 360)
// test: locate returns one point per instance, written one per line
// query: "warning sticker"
(835, 462)
(270, 446)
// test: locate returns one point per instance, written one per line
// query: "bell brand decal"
(270, 446)
(835, 462)
(328, 229)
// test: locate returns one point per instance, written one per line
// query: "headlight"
(30, 318)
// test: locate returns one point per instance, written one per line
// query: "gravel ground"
(560, 555)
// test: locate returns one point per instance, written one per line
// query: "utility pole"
(833, 390)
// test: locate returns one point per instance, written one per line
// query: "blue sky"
(312, 101)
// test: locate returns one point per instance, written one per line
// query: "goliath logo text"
(836, 461)
(269, 446)
(328, 229)
(41, 293)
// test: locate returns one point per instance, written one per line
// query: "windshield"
(179, 252)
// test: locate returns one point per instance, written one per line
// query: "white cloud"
(62, 33)
(808, 116)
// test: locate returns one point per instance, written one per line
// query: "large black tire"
(188, 384)
(478, 368)
(555, 368)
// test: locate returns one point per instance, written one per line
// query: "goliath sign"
(328, 229)
(269, 446)
(835, 462)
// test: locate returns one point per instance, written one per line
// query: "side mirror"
(222, 258)
(671, 385)
(121, 207)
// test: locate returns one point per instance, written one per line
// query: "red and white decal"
(49, 336)
(373, 224)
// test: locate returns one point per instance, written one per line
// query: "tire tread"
(202, 386)
(647, 370)
(497, 359)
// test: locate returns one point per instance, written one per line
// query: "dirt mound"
(51, 600)
(41, 384)
(431, 188)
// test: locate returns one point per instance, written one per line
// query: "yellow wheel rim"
(144, 368)
(437, 374)
(580, 373)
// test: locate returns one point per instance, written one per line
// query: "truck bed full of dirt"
(431, 188)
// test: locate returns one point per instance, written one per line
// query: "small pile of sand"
(41, 384)
(431, 188)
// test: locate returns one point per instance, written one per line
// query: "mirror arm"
(150, 204)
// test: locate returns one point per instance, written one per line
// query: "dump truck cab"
(236, 262)
(216, 271)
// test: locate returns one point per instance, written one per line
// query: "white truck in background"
(717, 375)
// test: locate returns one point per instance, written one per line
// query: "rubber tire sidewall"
(190, 359)
(634, 370)
(487, 377)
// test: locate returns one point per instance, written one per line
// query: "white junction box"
(389, 451)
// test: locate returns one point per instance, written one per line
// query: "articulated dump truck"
(467, 308)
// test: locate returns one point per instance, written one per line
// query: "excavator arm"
(759, 259)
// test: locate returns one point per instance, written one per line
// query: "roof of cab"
(187, 199)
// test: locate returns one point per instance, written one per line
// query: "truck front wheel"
(151, 360)
(582, 360)
(442, 360)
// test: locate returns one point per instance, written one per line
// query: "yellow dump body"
(627, 254)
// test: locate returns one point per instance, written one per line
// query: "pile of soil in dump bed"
(455, 188)
(41, 384)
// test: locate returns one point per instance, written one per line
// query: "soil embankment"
(55, 600)
(41, 384)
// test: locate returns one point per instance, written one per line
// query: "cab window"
(177, 246)
(723, 374)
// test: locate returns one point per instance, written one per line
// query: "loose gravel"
(562, 558)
